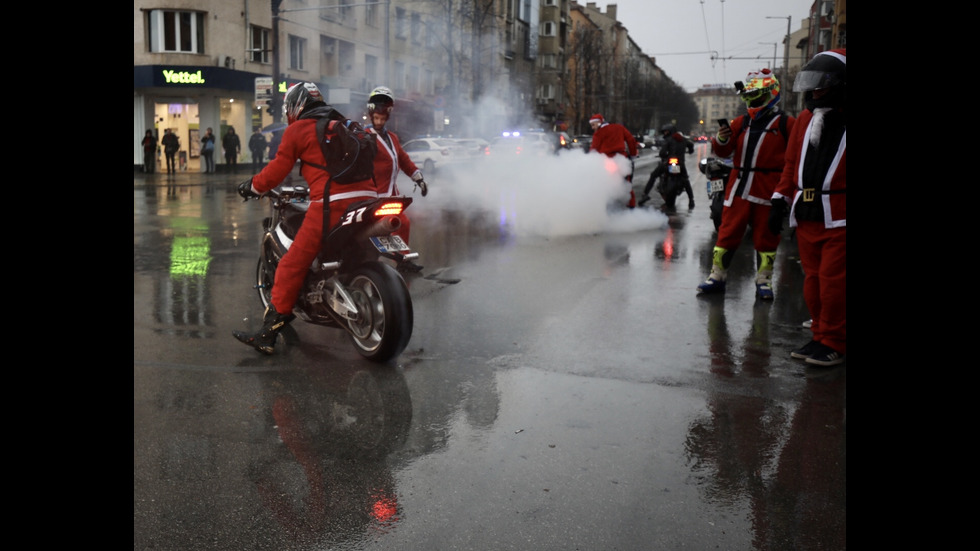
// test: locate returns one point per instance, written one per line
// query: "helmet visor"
(749, 96)
(814, 80)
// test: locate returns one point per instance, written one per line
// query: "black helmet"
(826, 71)
(667, 130)
(300, 96)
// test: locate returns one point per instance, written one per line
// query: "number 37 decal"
(354, 216)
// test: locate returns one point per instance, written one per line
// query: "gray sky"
(671, 30)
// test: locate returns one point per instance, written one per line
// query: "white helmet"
(380, 100)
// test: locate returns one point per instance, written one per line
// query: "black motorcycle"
(350, 285)
(717, 171)
(671, 183)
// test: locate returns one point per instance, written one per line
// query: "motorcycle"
(671, 183)
(717, 171)
(349, 286)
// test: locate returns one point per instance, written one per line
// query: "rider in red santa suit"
(302, 106)
(614, 139)
(390, 160)
(813, 186)
(756, 144)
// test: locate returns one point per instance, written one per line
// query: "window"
(371, 69)
(549, 61)
(259, 45)
(400, 22)
(416, 28)
(297, 47)
(413, 79)
(550, 2)
(548, 28)
(371, 15)
(176, 31)
(399, 76)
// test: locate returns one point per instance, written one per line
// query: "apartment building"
(549, 63)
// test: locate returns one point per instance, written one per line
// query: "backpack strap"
(321, 132)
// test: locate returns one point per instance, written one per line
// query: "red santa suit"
(388, 162)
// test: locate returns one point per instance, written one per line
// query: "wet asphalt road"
(569, 393)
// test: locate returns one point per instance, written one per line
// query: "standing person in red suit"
(302, 106)
(390, 160)
(813, 186)
(614, 139)
(756, 142)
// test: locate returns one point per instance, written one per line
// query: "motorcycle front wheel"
(384, 327)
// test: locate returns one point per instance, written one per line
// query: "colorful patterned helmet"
(380, 100)
(761, 91)
(300, 96)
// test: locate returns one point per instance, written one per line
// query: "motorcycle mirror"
(739, 86)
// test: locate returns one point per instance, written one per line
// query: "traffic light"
(268, 106)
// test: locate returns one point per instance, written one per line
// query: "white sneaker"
(808, 323)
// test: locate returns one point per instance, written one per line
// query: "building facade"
(553, 61)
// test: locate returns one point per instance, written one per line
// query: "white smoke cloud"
(542, 196)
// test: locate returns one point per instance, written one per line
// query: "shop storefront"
(190, 99)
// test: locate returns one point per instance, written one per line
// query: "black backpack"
(348, 149)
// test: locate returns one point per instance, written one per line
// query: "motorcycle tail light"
(674, 160)
(387, 209)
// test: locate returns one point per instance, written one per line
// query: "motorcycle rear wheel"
(387, 317)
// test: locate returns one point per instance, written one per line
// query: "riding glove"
(245, 189)
(776, 214)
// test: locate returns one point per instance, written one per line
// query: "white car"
(430, 153)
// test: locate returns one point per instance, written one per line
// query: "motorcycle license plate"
(717, 185)
(674, 169)
(389, 244)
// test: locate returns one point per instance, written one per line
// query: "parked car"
(430, 153)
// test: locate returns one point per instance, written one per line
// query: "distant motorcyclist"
(675, 145)
(302, 106)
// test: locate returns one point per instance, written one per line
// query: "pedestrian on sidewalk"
(233, 147)
(149, 144)
(171, 144)
(257, 145)
(207, 150)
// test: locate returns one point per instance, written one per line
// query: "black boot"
(265, 340)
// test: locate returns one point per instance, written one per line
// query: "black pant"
(171, 160)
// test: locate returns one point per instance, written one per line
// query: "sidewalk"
(193, 177)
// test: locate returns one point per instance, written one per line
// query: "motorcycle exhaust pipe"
(384, 226)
